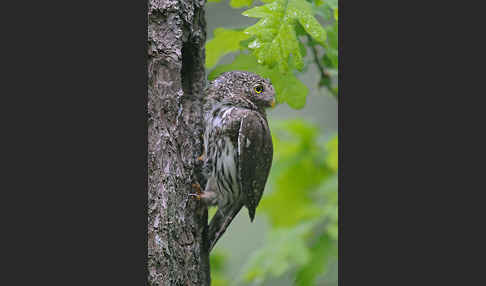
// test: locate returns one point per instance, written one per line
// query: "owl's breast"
(220, 143)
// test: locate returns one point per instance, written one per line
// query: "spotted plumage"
(238, 147)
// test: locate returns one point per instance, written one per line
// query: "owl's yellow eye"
(259, 88)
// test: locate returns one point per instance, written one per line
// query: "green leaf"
(288, 88)
(311, 26)
(244, 44)
(284, 249)
(215, 1)
(308, 273)
(334, 90)
(276, 42)
(303, 239)
(332, 3)
(217, 261)
(243, 62)
(299, 168)
(303, 49)
(330, 59)
(217, 280)
(333, 36)
(225, 41)
(329, 192)
(326, 9)
(240, 3)
(332, 157)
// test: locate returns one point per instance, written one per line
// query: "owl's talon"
(198, 191)
(198, 196)
(198, 188)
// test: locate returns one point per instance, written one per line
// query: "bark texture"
(177, 222)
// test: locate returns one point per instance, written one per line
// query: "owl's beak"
(273, 103)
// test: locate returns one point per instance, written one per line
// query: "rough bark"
(177, 246)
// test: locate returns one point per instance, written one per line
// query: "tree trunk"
(177, 222)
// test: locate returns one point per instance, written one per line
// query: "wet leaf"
(276, 42)
(225, 41)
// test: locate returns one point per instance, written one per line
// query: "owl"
(238, 148)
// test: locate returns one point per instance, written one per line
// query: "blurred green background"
(293, 240)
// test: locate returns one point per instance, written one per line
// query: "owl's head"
(247, 85)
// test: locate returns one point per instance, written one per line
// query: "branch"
(325, 77)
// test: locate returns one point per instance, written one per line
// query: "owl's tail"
(220, 222)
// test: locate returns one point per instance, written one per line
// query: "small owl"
(238, 148)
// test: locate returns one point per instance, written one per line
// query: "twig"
(324, 74)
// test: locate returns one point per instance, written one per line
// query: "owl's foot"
(199, 191)
(201, 158)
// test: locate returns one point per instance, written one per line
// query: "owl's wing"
(255, 154)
